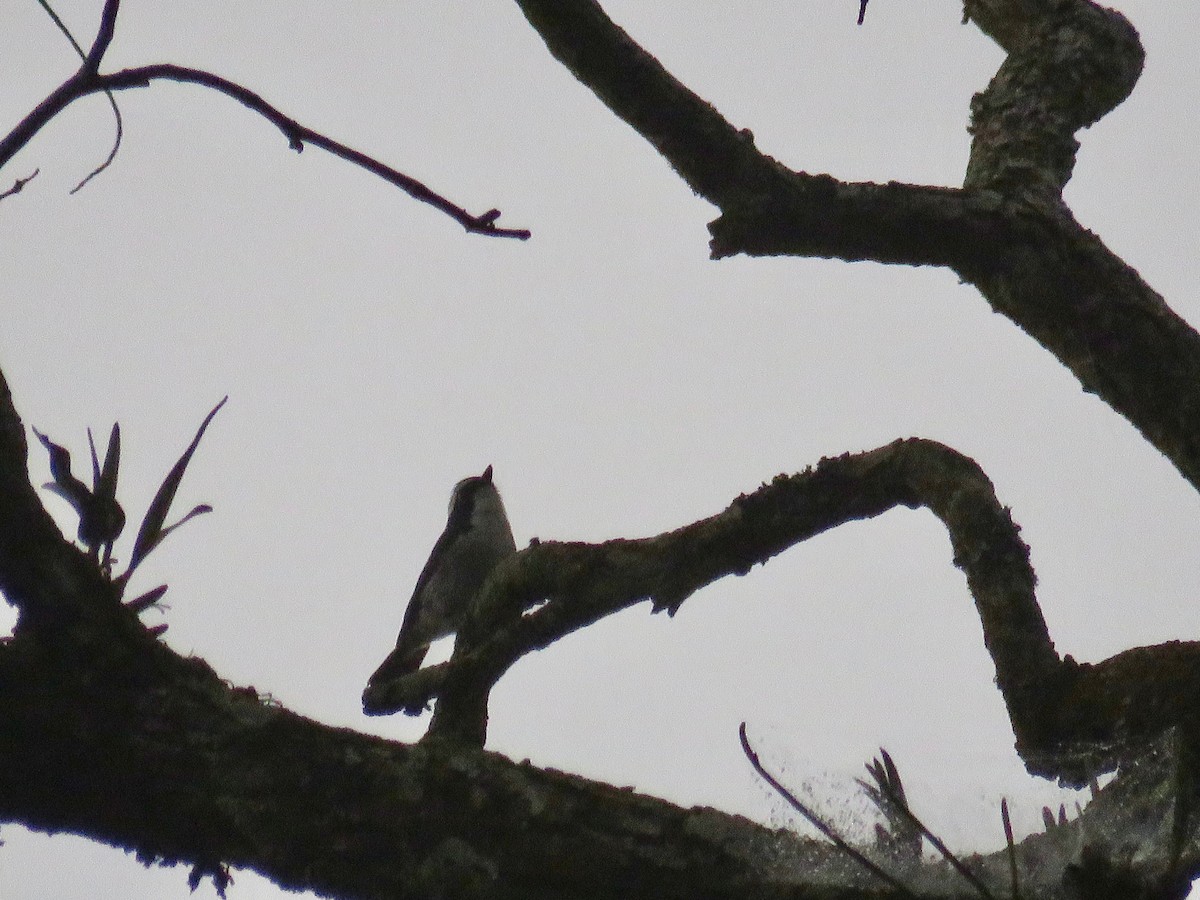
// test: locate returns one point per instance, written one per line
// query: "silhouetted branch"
(107, 24)
(88, 81)
(298, 135)
(817, 822)
(62, 26)
(583, 583)
(112, 154)
(104, 36)
(1007, 231)
(19, 184)
(1072, 720)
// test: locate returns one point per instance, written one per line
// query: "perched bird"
(476, 539)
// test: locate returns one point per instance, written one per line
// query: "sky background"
(620, 382)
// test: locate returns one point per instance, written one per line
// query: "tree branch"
(1068, 65)
(104, 36)
(19, 184)
(583, 583)
(110, 734)
(107, 24)
(88, 81)
(298, 135)
(1007, 232)
(1071, 720)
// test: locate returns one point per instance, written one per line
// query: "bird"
(476, 539)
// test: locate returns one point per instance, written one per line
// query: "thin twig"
(112, 154)
(82, 84)
(88, 81)
(91, 62)
(19, 184)
(817, 822)
(298, 135)
(1012, 849)
(63, 28)
(104, 36)
(937, 842)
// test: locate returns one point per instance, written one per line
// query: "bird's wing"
(455, 526)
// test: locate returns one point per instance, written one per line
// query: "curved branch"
(584, 583)
(19, 184)
(108, 21)
(1071, 720)
(86, 82)
(298, 135)
(1068, 65)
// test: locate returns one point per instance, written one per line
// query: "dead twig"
(816, 821)
(19, 184)
(887, 787)
(88, 80)
(1012, 849)
(108, 21)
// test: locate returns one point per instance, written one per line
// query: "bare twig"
(88, 81)
(887, 787)
(1012, 850)
(112, 154)
(817, 822)
(54, 17)
(19, 184)
(104, 36)
(91, 62)
(298, 135)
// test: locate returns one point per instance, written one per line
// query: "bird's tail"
(401, 661)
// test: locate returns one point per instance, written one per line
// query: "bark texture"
(108, 733)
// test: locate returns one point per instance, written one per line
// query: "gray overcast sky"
(619, 381)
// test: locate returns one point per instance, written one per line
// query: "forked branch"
(1006, 231)
(88, 80)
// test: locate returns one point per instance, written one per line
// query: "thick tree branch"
(156, 755)
(1068, 65)
(1071, 720)
(584, 583)
(1007, 232)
